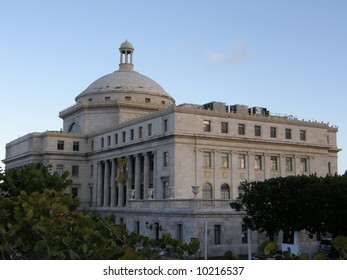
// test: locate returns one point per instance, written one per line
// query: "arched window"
(225, 191)
(207, 191)
(74, 128)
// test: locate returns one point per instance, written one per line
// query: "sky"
(287, 56)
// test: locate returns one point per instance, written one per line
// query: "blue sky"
(288, 56)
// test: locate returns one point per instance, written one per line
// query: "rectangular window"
(207, 126)
(258, 162)
(242, 161)
(74, 191)
(131, 134)
(303, 165)
(92, 145)
(273, 132)
(76, 146)
(302, 135)
(288, 133)
(241, 129)
(137, 227)
(140, 132)
(257, 130)
(60, 145)
(225, 160)
(206, 159)
(289, 164)
(107, 98)
(150, 129)
(75, 171)
(273, 163)
(147, 100)
(109, 140)
(165, 126)
(124, 136)
(102, 142)
(244, 234)
(60, 169)
(116, 139)
(224, 127)
(90, 194)
(165, 159)
(165, 185)
(217, 234)
(127, 98)
(151, 166)
(180, 232)
(91, 171)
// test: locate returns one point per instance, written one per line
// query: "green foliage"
(166, 248)
(295, 203)
(38, 222)
(288, 256)
(320, 256)
(32, 179)
(270, 248)
(230, 256)
(340, 244)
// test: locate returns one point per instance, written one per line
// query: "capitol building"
(167, 168)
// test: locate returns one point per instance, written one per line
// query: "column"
(198, 167)
(155, 180)
(120, 182)
(216, 167)
(137, 177)
(235, 175)
(266, 166)
(146, 175)
(282, 165)
(120, 194)
(250, 166)
(296, 167)
(94, 185)
(130, 178)
(106, 184)
(113, 183)
(99, 185)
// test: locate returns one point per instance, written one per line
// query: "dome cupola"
(126, 84)
(126, 56)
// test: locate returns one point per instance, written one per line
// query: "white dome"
(124, 82)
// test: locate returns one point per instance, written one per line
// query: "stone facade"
(165, 168)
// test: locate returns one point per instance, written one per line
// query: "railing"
(191, 204)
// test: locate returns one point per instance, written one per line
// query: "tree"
(39, 222)
(32, 179)
(333, 208)
(295, 203)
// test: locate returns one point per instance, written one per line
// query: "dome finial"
(126, 56)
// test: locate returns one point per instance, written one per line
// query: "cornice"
(108, 104)
(258, 118)
(256, 141)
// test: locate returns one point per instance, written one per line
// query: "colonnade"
(124, 178)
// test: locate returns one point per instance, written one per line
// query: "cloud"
(238, 55)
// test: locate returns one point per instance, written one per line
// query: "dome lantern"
(126, 56)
